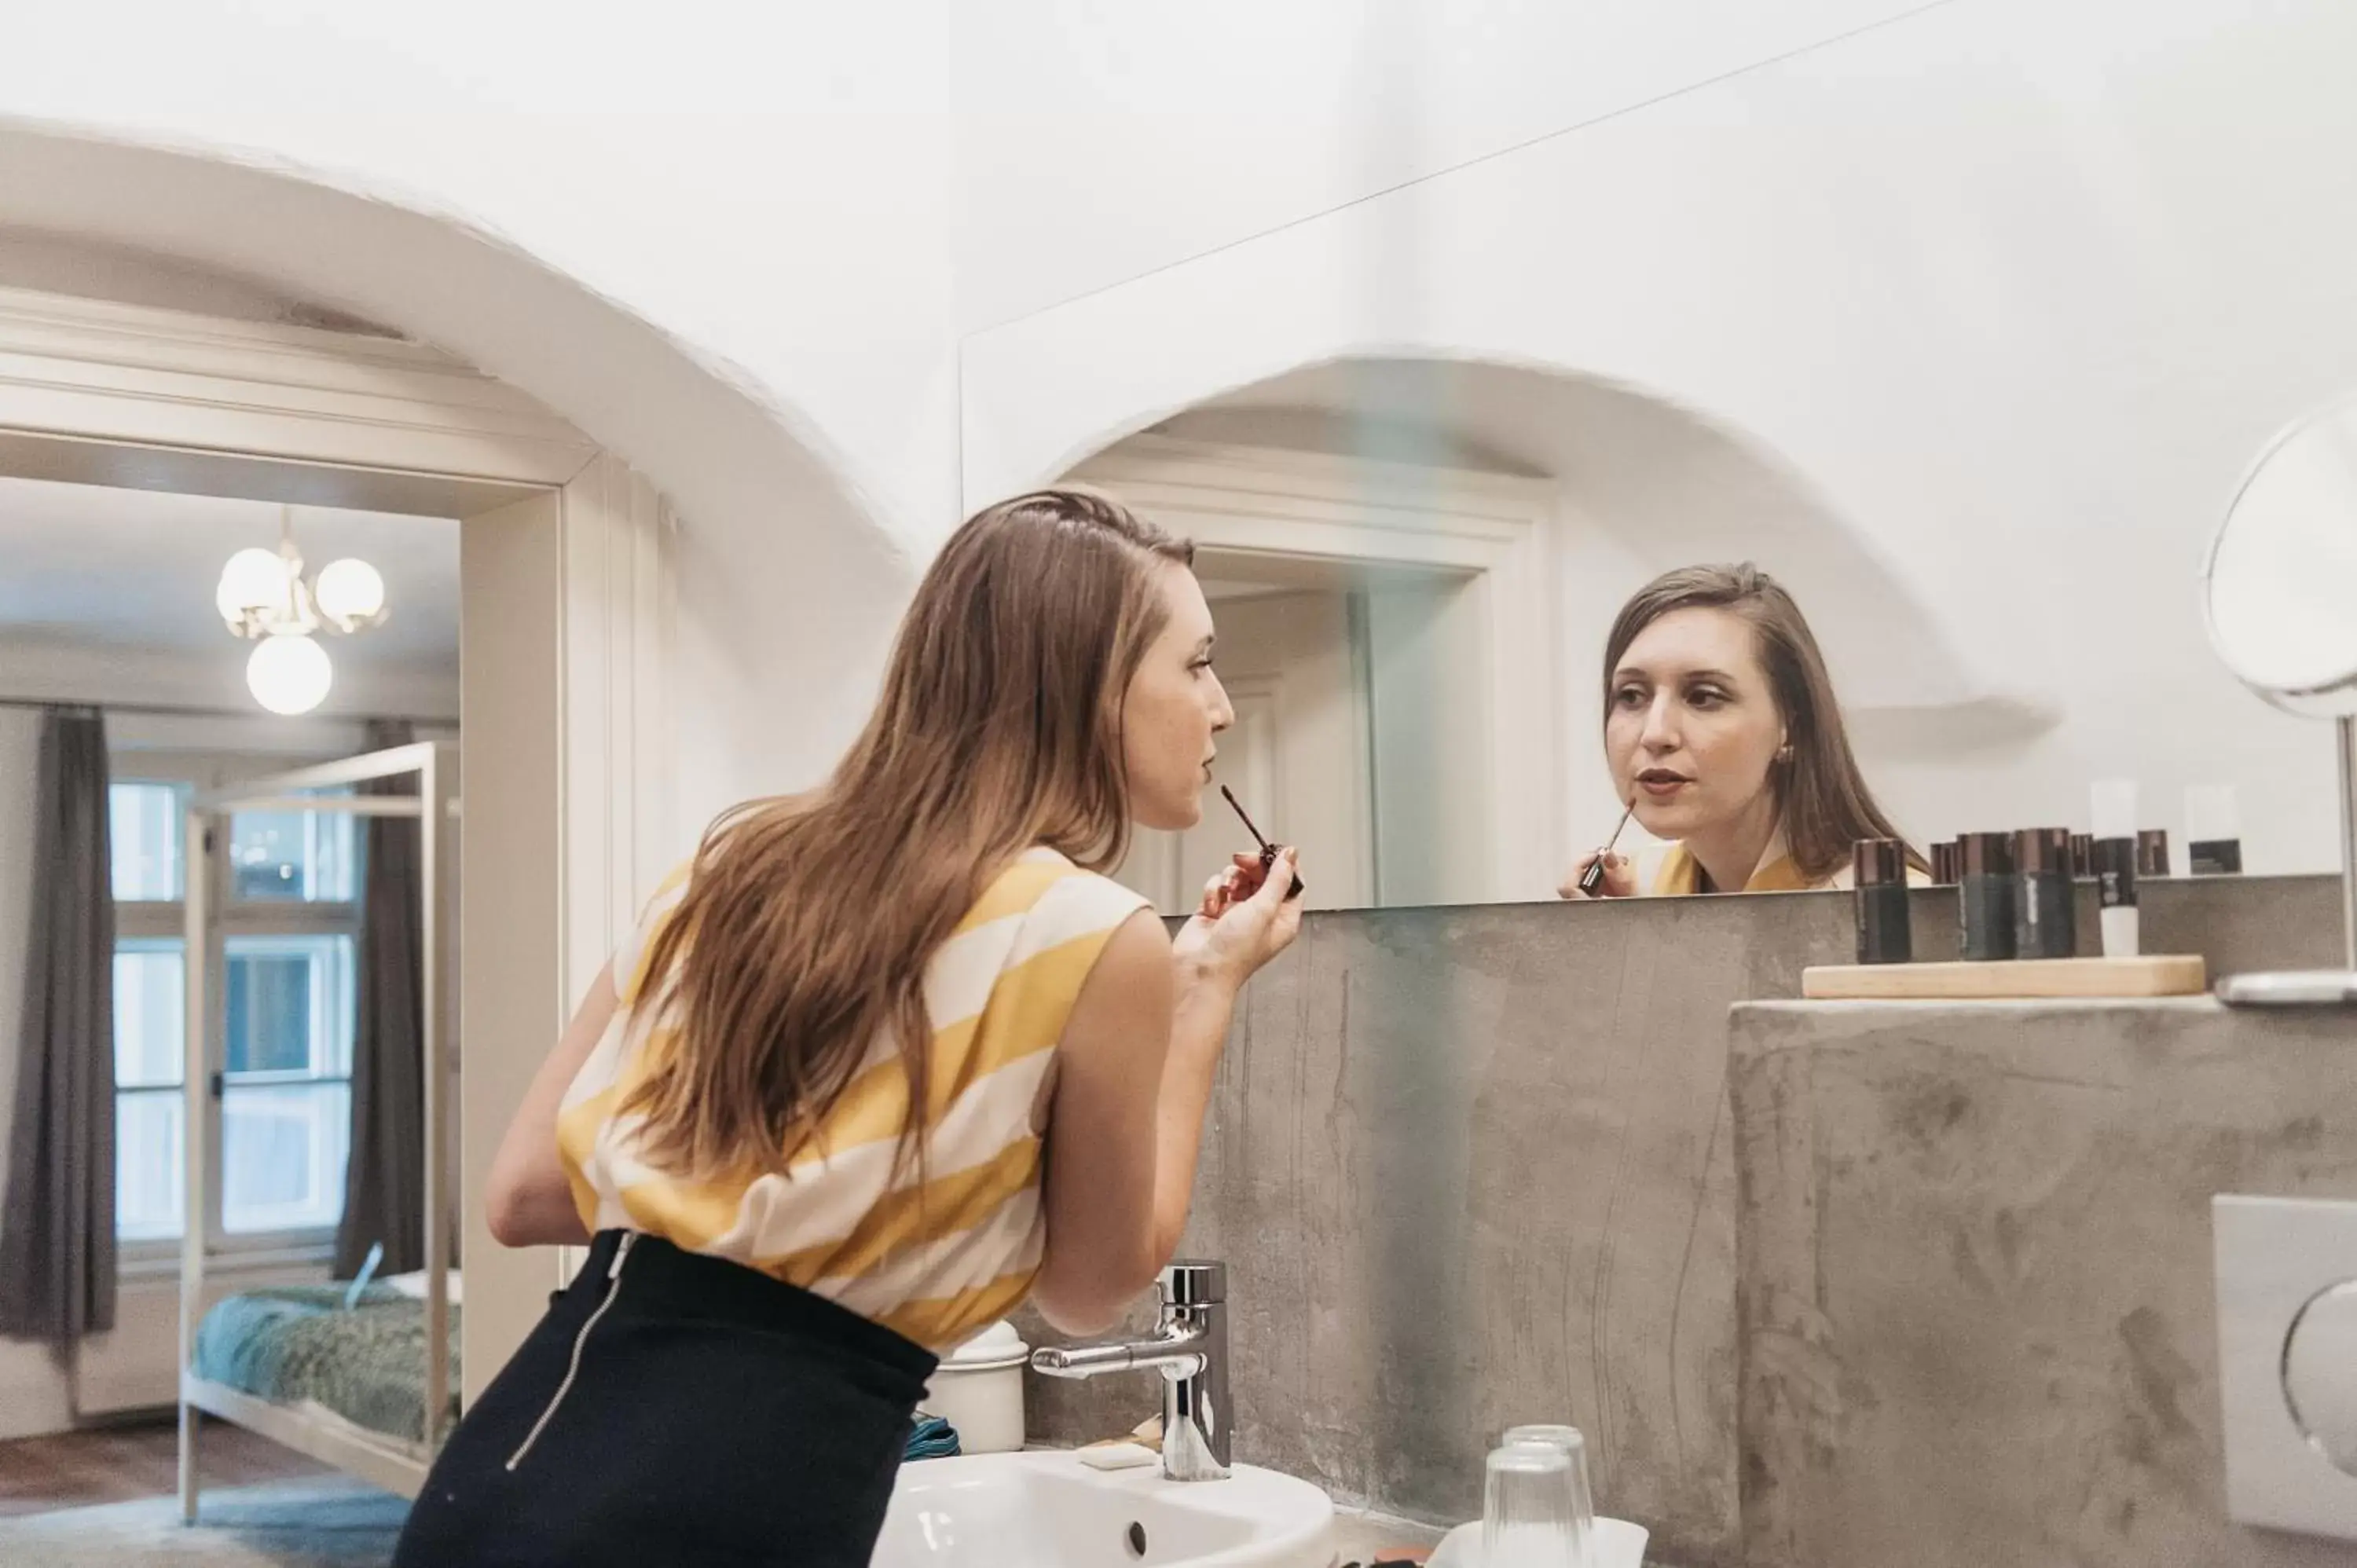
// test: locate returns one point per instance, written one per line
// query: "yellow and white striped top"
(934, 1264)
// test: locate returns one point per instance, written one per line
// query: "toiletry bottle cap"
(2039, 851)
(2152, 852)
(1943, 863)
(1879, 862)
(1984, 855)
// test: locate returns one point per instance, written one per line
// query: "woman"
(1721, 727)
(881, 1064)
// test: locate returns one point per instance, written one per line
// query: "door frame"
(566, 582)
(1367, 516)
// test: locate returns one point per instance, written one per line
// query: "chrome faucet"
(1189, 1348)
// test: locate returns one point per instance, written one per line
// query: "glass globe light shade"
(289, 674)
(254, 579)
(349, 590)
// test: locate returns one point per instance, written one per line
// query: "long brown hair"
(1822, 800)
(806, 926)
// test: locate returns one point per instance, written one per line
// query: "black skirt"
(673, 1409)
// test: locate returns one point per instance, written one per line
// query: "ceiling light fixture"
(264, 596)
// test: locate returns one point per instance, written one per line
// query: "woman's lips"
(1661, 786)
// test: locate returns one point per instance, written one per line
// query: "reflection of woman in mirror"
(1721, 727)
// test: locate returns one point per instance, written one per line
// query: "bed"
(348, 1364)
(360, 1355)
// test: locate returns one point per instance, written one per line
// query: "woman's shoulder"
(1041, 925)
(1054, 898)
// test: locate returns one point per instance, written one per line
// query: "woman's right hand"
(1620, 878)
(1244, 920)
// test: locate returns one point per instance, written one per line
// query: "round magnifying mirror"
(2282, 580)
(2280, 595)
(2319, 1373)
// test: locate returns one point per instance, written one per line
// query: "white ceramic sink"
(1049, 1510)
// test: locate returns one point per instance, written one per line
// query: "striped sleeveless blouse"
(936, 1264)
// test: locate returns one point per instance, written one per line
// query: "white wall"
(718, 246)
(1100, 142)
(1430, 739)
(2018, 287)
(747, 180)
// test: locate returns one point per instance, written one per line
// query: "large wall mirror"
(1416, 563)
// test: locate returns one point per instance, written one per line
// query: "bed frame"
(393, 1463)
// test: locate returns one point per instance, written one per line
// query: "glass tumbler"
(1583, 1500)
(1527, 1510)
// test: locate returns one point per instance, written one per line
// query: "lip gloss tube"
(1985, 895)
(1879, 884)
(2044, 924)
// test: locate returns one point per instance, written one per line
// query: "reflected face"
(1174, 711)
(1692, 730)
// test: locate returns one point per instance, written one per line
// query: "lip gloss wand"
(1267, 850)
(1592, 879)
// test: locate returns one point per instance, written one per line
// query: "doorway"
(564, 573)
(1384, 632)
(1298, 756)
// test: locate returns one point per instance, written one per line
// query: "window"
(284, 973)
(149, 1019)
(286, 1097)
(290, 857)
(144, 823)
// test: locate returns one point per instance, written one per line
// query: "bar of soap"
(1116, 1456)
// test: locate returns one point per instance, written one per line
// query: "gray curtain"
(384, 1187)
(57, 1231)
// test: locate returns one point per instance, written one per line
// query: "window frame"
(150, 919)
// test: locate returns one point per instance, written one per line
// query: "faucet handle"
(1193, 1282)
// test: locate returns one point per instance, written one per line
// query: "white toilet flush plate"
(2274, 1255)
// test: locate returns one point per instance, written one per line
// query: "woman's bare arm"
(528, 1200)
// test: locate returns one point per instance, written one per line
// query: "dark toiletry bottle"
(2083, 855)
(1943, 864)
(2044, 923)
(1879, 868)
(1985, 895)
(2116, 864)
(2152, 852)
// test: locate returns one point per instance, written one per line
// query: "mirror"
(2280, 592)
(1414, 564)
(2283, 570)
(2319, 1373)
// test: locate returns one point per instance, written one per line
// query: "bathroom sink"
(1048, 1510)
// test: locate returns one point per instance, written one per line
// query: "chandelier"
(264, 596)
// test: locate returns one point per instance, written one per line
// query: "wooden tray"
(2158, 974)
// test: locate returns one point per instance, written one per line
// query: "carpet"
(324, 1522)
